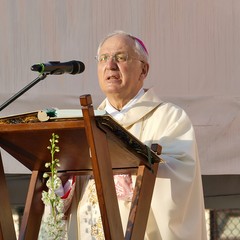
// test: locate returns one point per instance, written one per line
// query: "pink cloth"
(124, 186)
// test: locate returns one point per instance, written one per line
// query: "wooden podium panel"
(90, 145)
(28, 142)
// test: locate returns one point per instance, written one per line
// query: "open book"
(46, 115)
(53, 113)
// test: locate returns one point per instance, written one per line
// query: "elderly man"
(177, 209)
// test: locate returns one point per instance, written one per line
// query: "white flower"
(54, 226)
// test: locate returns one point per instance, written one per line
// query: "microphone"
(57, 68)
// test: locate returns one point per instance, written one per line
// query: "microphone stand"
(22, 91)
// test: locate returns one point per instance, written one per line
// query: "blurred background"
(194, 63)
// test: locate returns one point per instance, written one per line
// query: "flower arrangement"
(54, 224)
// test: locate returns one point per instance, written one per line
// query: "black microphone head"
(56, 67)
(36, 67)
(78, 67)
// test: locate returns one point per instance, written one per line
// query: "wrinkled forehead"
(118, 43)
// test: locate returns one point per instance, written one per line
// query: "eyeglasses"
(117, 57)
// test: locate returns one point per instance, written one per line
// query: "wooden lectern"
(94, 145)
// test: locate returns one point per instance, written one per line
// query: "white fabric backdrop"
(194, 54)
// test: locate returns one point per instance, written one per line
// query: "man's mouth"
(113, 77)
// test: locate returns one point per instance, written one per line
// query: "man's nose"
(111, 63)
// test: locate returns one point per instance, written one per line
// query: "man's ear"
(145, 69)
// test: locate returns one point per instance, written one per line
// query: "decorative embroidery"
(91, 223)
(97, 230)
(91, 216)
(92, 196)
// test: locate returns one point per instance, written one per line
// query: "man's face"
(121, 79)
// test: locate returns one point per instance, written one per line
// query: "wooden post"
(7, 230)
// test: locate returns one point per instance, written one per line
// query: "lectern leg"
(141, 202)
(7, 230)
(34, 208)
(103, 175)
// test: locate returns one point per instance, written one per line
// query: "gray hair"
(139, 48)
